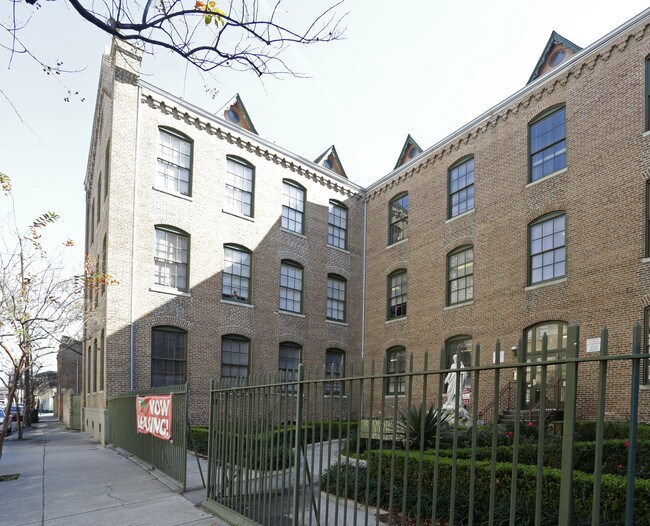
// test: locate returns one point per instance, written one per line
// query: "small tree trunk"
(5, 422)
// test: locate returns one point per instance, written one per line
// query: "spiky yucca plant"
(409, 426)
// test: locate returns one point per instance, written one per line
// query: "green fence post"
(568, 432)
(298, 445)
(634, 413)
(600, 428)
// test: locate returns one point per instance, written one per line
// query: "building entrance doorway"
(556, 332)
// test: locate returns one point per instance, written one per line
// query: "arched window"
(293, 206)
(240, 180)
(461, 187)
(461, 347)
(398, 214)
(171, 258)
(397, 294)
(236, 280)
(395, 363)
(168, 356)
(291, 286)
(235, 356)
(547, 248)
(556, 333)
(336, 296)
(102, 354)
(337, 225)
(460, 275)
(174, 161)
(334, 369)
(547, 143)
(289, 358)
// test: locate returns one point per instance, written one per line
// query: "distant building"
(45, 390)
(69, 366)
(235, 256)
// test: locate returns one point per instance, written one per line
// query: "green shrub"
(612, 493)
(200, 436)
(586, 431)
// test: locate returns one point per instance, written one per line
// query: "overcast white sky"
(419, 67)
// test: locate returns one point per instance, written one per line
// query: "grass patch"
(13, 476)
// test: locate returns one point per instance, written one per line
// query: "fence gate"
(385, 448)
(169, 456)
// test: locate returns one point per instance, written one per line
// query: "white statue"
(451, 382)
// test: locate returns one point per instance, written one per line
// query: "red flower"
(619, 466)
(627, 443)
(530, 423)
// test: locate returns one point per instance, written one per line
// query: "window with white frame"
(236, 278)
(337, 225)
(293, 207)
(460, 272)
(291, 284)
(168, 356)
(397, 294)
(170, 258)
(547, 248)
(547, 144)
(336, 298)
(461, 187)
(174, 162)
(395, 363)
(239, 188)
(398, 212)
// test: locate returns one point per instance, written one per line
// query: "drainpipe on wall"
(133, 232)
(363, 286)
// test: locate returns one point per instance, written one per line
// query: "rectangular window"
(168, 351)
(290, 288)
(647, 219)
(170, 259)
(236, 274)
(547, 249)
(334, 368)
(460, 270)
(293, 207)
(99, 198)
(398, 218)
(646, 341)
(337, 225)
(395, 363)
(647, 93)
(461, 348)
(239, 188)
(289, 360)
(548, 145)
(235, 352)
(107, 168)
(92, 223)
(102, 353)
(461, 188)
(174, 163)
(335, 298)
(397, 295)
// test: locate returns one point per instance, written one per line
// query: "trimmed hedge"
(612, 493)
(271, 450)
(586, 431)
(614, 456)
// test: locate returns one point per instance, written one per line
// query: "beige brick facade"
(601, 193)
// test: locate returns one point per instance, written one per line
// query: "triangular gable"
(235, 112)
(557, 50)
(329, 159)
(410, 150)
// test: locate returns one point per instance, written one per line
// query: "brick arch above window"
(396, 266)
(165, 320)
(292, 338)
(556, 207)
(173, 222)
(238, 330)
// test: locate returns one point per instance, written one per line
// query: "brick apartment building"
(235, 256)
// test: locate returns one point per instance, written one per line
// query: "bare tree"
(243, 35)
(39, 302)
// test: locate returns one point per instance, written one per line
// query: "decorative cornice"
(528, 101)
(244, 143)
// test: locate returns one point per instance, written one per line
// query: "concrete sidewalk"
(66, 478)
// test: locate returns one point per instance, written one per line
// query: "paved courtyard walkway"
(66, 478)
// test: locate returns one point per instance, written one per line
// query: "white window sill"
(644, 387)
(170, 192)
(645, 260)
(336, 396)
(545, 284)
(240, 216)
(293, 233)
(468, 212)
(395, 320)
(286, 312)
(238, 303)
(169, 290)
(546, 177)
(341, 323)
(397, 243)
(339, 249)
(646, 134)
(457, 305)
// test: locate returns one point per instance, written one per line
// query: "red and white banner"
(154, 415)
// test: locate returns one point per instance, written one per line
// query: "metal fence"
(170, 457)
(294, 453)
